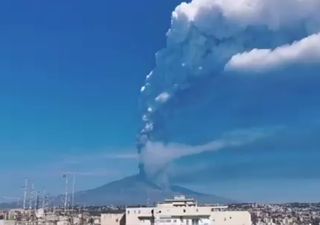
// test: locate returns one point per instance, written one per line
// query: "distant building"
(7, 222)
(179, 211)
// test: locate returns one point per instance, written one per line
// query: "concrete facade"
(113, 219)
(7, 222)
(182, 211)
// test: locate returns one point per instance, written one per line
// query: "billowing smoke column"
(210, 38)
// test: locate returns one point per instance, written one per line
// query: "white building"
(7, 222)
(182, 211)
(113, 219)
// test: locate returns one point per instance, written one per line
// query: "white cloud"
(158, 155)
(257, 35)
(275, 14)
(205, 34)
(305, 51)
(163, 97)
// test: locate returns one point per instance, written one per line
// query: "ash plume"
(213, 38)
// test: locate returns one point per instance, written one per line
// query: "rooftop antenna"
(25, 194)
(73, 190)
(65, 176)
(44, 199)
(36, 200)
(31, 196)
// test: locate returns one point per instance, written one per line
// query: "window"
(195, 221)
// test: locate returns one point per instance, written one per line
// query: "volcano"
(138, 190)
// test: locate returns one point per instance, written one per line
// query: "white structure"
(182, 211)
(113, 219)
(7, 222)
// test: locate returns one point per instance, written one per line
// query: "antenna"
(36, 200)
(31, 196)
(65, 176)
(73, 190)
(25, 194)
(44, 199)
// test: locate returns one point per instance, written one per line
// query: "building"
(113, 219)
(182, 211)
(7, 222)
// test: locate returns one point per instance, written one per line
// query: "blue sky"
(70, 78)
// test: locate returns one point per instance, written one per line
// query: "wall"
(113, 219)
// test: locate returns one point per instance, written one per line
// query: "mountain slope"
(135, 190)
